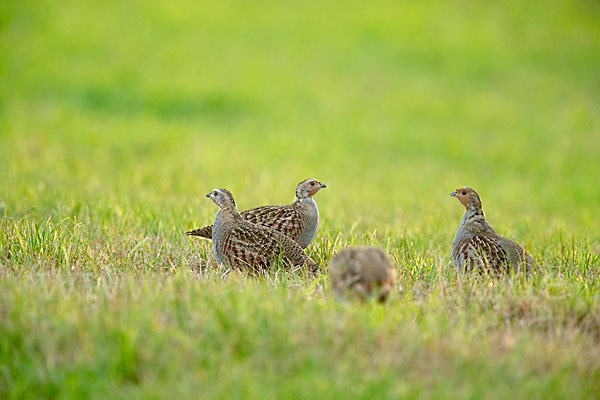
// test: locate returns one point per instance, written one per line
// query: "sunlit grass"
(117, 117)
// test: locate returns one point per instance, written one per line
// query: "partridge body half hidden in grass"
(297, 220)
(363, 273)
(238, 243)
(477, 246)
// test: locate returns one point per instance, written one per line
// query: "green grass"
(117, 117)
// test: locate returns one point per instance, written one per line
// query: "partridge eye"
(463, 193)
(312, 184)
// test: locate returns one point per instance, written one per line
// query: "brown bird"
(297, 220)
(477, 246)
(238, 243)
(363, 272)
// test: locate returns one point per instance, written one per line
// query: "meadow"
(117, 117)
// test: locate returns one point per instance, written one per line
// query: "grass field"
(117, 117)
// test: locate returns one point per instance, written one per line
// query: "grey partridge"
(297, 220)
(240, 244)
(362, 272)
(477, 246)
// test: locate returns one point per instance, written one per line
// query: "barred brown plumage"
(480, 252)
(298, 220)
(238, 243)
(477, 246)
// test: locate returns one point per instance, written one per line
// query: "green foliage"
(117, 117)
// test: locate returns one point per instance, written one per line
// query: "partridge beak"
(323, 186)
(208, 194)
(453, 194)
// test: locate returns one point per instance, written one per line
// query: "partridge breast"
(479, 252)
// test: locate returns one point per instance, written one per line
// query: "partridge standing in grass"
(363, 272)
(297, 220)
(477, 246)
(238, 243)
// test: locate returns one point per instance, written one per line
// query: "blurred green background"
(116, 117)
(147, 105)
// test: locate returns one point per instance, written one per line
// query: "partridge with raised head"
(297, 220)
(477, 246)
(238, 243)
(363, 272)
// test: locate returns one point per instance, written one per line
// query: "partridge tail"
(313, 267)
(205, 232)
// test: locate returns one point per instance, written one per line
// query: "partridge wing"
(249, 246)
(517, 255)
(283, 219)
(294, 254)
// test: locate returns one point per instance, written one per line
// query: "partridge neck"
(230, 213)
(299, 200)
(304, 202)
(473, 214)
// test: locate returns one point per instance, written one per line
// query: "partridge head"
(468, 197)
(222, 198)
(308, 188)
